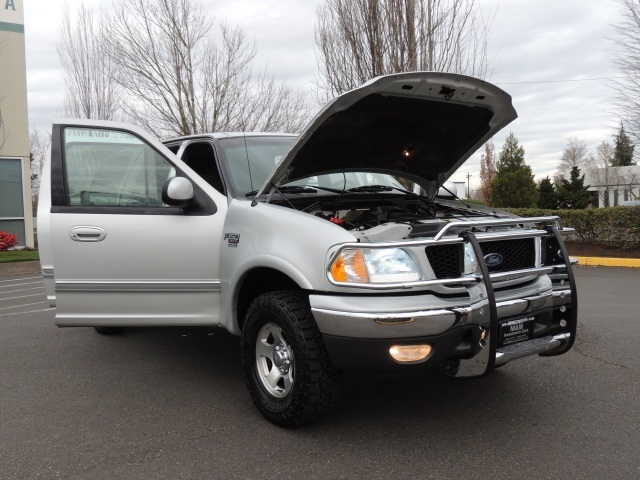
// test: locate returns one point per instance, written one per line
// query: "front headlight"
(470, 262)
(374, 265)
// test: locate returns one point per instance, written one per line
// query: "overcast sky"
(546, 54)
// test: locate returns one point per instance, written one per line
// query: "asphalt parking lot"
(171, 403)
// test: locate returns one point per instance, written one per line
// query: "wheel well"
(257, 282)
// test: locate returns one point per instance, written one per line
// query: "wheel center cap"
(281, 358)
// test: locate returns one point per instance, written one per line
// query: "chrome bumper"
(415, 323)
(531, 347)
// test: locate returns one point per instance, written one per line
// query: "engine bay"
(390, 217)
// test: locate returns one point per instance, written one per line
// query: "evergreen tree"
(548, 198)
(513, 185)
(572, 193)
(623, 151)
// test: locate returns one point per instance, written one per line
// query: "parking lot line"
(22, 290)
(20, 284)
(23, 305)
(24, 313)
(21, 279)
(21, 296)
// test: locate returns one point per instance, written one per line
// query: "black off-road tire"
(109, 330)
(315, 381)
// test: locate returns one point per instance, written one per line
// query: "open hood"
(419, 125)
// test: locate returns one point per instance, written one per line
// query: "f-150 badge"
(233, 239)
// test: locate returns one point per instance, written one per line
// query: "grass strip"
(19, 256)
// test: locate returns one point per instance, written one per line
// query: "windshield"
(251, 160)
(348, 180)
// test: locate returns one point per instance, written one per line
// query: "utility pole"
(468, 185)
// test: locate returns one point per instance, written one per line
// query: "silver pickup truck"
(314, 248)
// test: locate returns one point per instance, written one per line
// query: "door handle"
(87, 234)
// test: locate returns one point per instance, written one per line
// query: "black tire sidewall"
(259, 316)
(315, 380)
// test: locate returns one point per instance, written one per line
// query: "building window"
(11, 198)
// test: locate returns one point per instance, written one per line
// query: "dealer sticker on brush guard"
(518, 330)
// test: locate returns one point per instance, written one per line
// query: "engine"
(393, 219)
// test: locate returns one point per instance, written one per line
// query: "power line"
(560, 81)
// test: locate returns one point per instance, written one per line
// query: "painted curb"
(608, 262)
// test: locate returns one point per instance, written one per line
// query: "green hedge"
(615, 227)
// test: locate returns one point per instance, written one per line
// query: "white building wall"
(623, 184)
(14, 136)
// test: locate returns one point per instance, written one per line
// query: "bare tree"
(629, 180)
(360, 39)
(234, 98)
(602, 174)
(627, 61)
(39, 143)
(91, 92)
(182, 82)
(573, 155)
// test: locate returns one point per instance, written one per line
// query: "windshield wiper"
(286, 189)
(371, 189)
(332, 190)
(379, 188)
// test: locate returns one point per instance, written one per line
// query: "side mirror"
(177, 192)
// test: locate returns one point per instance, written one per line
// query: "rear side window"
(112, 168)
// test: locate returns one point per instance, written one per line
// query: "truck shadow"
(198, 365)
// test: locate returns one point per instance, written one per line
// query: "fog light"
(410, 353)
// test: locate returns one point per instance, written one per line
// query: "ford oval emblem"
(493, 259)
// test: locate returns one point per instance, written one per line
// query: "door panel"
(121, 256)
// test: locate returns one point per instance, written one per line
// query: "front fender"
(291, 242)
(231, 288)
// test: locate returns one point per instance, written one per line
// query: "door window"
(113, 168)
